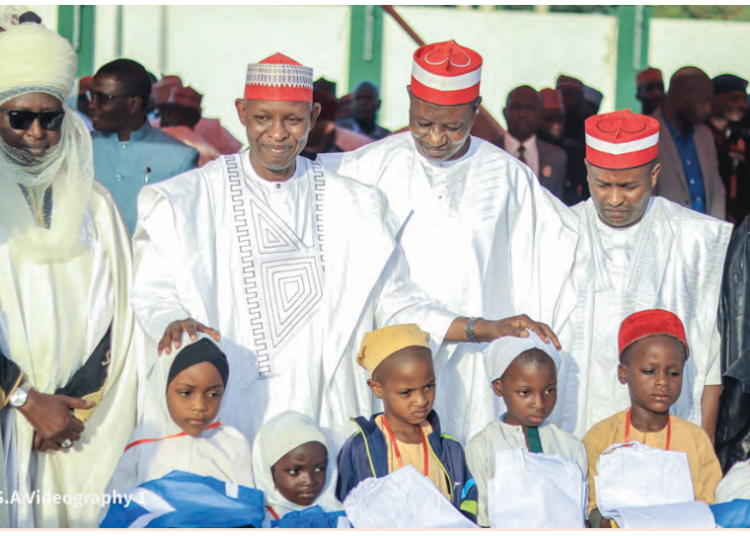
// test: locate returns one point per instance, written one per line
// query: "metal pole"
(118, 32)
(164, 14)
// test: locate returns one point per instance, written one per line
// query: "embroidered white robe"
(481, 236)
(292, 284)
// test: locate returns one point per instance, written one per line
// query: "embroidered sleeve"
(10, 378)
(90, 380)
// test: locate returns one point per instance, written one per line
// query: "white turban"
(500, 353)
(33, 58)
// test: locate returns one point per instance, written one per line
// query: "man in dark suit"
(523, 116)
(551, 130)
(732, 142)
(687, 152)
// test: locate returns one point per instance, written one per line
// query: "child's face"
(300, 475)
(408, 388)
(194, 397)
(653, 372)
(529, 391)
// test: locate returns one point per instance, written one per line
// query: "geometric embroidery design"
(291, 274)
(292, 290)
(272, 235)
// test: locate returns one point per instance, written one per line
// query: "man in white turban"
(67, 385)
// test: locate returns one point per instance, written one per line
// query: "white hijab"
(276, 438)
(221, 452)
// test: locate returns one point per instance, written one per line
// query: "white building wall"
(48, 13)
(717, 47)
(517, 48)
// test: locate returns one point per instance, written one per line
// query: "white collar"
(448, 164)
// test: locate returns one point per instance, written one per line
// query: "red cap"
(162, 89)
(650, 75)
(186, 96)
(648, 324)
(568, 81)
(621, 140)
(551, 99)
(84, 84)
(446, 74)
(279, 78)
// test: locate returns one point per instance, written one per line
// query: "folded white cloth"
(633, 474)
(536, 491)
(693, 515)
(405, 499)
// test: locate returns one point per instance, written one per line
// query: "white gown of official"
(53, 317)
(293, 274)
(484, 238)
(672, 259)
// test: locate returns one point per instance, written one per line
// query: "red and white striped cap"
(279, 78)
(446, 74)
(621, 140)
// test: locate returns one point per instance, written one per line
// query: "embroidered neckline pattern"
(291, 278)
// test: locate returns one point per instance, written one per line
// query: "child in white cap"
(523, 372)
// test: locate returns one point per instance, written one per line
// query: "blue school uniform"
(365, 455)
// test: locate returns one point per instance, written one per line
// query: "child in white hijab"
(294, 467)
(180, 427)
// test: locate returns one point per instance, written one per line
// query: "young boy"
(523, 372)
(399, 361)
(653, 350)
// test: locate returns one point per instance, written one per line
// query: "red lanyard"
(669, 429)
(273, 512)
(141, 441)
(398, 453)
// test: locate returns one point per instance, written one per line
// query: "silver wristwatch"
(21, 395)
(470, 329)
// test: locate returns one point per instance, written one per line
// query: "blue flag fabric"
(186, 500)
(732, 515)
(309, 518)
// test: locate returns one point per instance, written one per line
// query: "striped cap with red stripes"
(621, 140)
(446, 74)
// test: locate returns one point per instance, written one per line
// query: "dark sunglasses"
(101, 97)
(23, 119)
